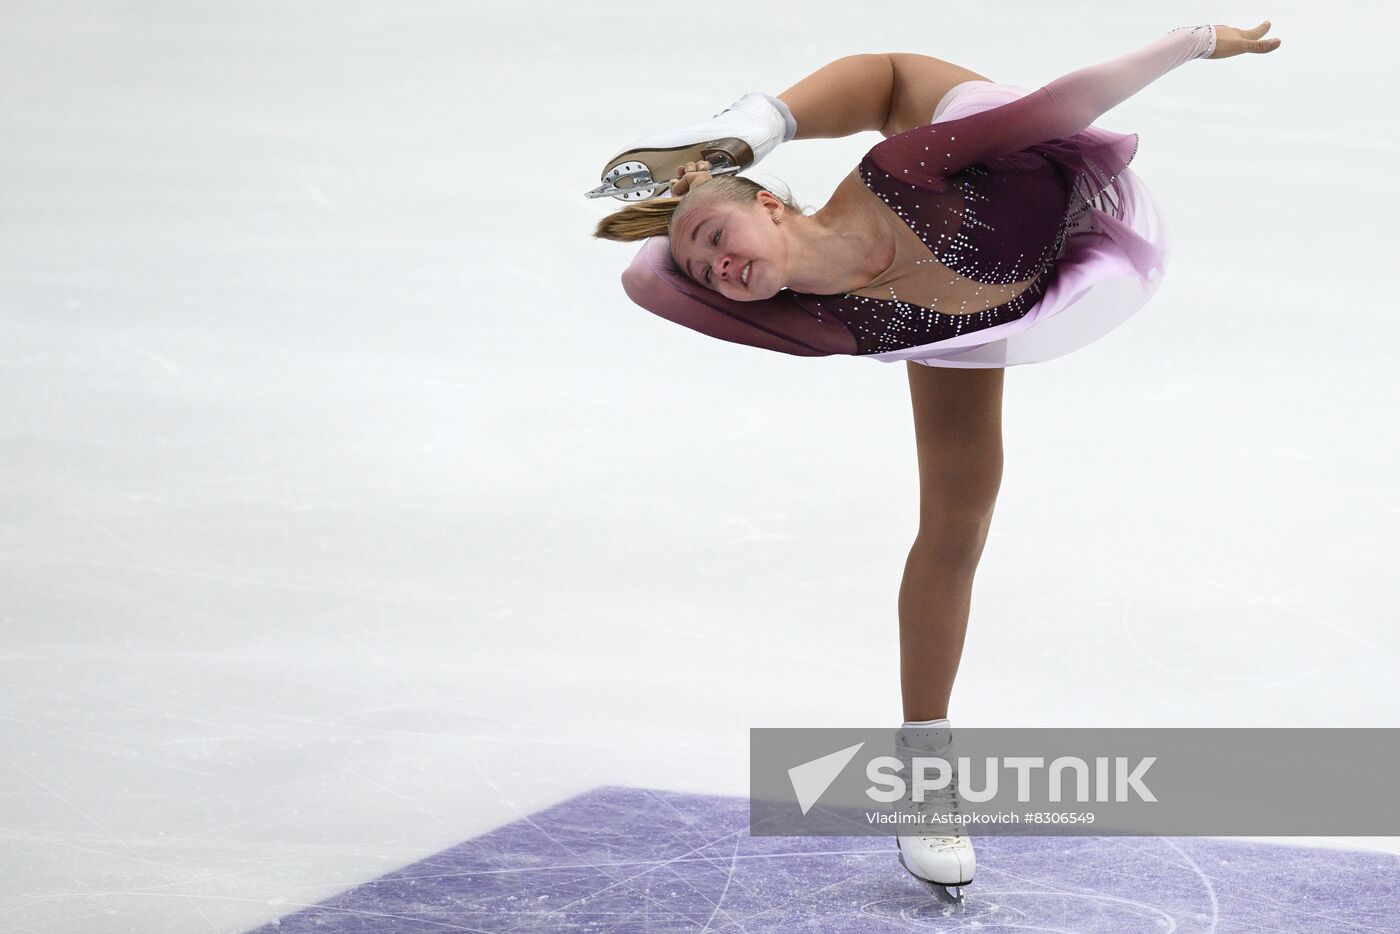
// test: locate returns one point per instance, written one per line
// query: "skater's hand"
(1231, 41)
(690, 175)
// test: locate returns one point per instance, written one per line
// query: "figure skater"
(1005, 230)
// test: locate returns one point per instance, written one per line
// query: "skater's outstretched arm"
(1068, 105)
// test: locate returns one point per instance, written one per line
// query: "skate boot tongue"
(930, 740)
(938, 815)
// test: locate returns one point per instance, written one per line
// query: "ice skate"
(940, 857)
(943, 865)
(734, 139)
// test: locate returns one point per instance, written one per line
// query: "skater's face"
(732, 248)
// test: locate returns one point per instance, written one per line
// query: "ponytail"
(653, 218)
(639, 221)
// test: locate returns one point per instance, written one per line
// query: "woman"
(1000, 233)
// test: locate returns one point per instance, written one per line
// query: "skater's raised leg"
(889, 92)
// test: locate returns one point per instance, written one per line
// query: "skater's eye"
(714, 240)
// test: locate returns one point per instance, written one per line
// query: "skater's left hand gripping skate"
(632, 181)
(689, 176)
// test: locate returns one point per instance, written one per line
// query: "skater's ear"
(771, 203)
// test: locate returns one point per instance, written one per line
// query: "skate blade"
(638, 174)
(948, 894)
(662, 162)
(636, 183)
(629, 182)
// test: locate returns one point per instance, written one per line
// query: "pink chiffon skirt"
(1112, 263)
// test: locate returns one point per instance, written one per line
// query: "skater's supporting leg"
(890, 92)
(957, 426)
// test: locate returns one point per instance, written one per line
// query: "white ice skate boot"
(734, 139)
(941, 856)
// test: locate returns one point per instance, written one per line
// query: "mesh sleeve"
(925, 156)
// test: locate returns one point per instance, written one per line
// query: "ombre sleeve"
(927, 155)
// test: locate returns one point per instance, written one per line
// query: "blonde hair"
(654, 218)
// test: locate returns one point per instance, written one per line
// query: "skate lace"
(941, 801)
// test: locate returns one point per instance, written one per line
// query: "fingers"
(689, 175)
(1231, 41)
(1261, 44)
(1256, 42)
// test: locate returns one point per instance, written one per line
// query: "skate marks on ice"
(640, 860)
(1027, 910)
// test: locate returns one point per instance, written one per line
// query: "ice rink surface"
(350, 514)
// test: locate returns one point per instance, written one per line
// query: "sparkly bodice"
(989, 230)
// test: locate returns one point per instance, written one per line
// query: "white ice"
(348, 509)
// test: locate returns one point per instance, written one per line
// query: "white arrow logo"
(810, 780)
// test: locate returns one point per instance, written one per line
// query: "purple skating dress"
(1004, 187)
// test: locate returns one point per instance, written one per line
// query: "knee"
(953, 539)
(955, 512)
(958, 500)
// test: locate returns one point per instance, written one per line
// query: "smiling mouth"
(744, 275)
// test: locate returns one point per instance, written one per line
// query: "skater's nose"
(726, 266)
